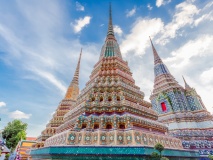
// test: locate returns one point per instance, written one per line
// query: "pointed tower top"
(73, 89)
(157, 59)
(76, 75)
(186, 84)
(110, 26)
(110, 47)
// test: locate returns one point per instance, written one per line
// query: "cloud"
(19, 115)
(206, 14)
(51, 78)
(37, 48)
(131, 12)
(159, 3)
(79, 7)
(162, 2)
(149, 7)
(117, 30)
(184, 15)
(199, 47)
(188, 54)
(207, 76)
(138, 39)
(81, 23)
(2, 104)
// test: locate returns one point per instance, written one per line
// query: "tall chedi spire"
(76, 75)
(157, 59)
(180, 108)
(166, 89)
(110, 32)
(110, 47)
(111, 109)
(64, 106)
(163, 78)
(186, 84)
(73, 90)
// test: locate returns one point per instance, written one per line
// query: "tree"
(155, 156)
(7, 156)
(159, 147)
(14, 132)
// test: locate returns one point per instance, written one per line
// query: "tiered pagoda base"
(113, 137)
(108, 152)
(110, 144)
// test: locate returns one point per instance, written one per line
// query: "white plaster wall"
(188, 125)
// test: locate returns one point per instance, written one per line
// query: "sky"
(40, 42)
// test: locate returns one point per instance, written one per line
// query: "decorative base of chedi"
(114, 137)
(108, 152)
(113, 130)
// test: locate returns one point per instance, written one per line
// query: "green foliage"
(155, 156)
(159, 147)
(14, 132)
(7, 156)
(210, 157)
(164, 158)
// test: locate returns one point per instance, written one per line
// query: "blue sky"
(40, 43)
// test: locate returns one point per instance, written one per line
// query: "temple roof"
(110, 47)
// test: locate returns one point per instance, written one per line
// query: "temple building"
(109, 117)
(181, 109)
(111, 106)
(64, 106)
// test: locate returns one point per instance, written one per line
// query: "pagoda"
(110, 116)
(64, 106)
(181, 109)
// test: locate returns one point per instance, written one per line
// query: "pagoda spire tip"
(186, 84)
(76, 75)
(157, 59)
(110, 26)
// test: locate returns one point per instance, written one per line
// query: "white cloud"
(117, 30)
(162, 2)
(184, 15)
(159, 3)
(51, 78)
(194, 48)
(79, 7)
(131, 12)
(2, 104)
(19, 115)
(47, 57)
(208, 16)
(207, 76)
(138, 39)
(149, 7)
(81, 23)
